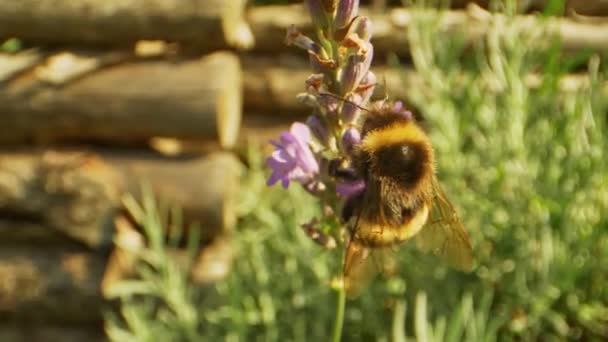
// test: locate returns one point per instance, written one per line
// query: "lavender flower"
(346, 11)
(350, 139)
(350, 188)
(293, 159)
(340, 85)
(319, 129)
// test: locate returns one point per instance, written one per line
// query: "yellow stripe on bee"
(382, 235)
(394, 134)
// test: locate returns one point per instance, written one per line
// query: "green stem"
(339, 322)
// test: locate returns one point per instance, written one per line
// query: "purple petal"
(319, 129)
(285, 182)
(350, 188)
(347, 10)
(276, 144)
(301, 132)
(350, 108)
(350, 138)
(274, 177)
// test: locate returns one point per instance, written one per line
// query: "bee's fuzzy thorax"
(397, 133)
(399, 157)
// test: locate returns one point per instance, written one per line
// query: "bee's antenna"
(344, 100)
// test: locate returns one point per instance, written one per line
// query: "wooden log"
(203, 24)
(194, 99)
(78, 194)
(13, 64)
(26, 332)
(50, 285)
(24, 232)
(261, 127)
(270, 89)
(270, 23)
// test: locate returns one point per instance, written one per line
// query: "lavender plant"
(339, 86)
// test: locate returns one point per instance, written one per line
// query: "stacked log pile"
(103, 98)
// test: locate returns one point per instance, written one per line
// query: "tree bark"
(77, 194)
(128, 103)
(203, 24)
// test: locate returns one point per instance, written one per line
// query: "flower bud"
(329, 6)
(357, 66)
(319, 129)
(400, 109)
(307, 100)
(318, 13)
(328, 105)
(362, 26)
(350, 139)
(351, 108)
(366, 87)
(347, 10)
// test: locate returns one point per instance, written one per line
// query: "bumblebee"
(402, 199)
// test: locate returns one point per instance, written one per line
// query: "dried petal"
(366, 87)
(295, 37)
(313, 230)
(320, 64)
(315, 81)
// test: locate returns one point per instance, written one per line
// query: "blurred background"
(133, 204)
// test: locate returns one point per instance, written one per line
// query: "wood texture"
(77, 194)
(128, 103)
(205, 24)
(24, 332)
(50, 285)
(270, 89)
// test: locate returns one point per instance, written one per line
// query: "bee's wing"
(444, 234)
(362, 264)
(359, 268)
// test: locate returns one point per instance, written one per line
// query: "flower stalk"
(340, 84)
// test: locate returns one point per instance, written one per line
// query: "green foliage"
(526, 168)
(160, 305)
(11, 45)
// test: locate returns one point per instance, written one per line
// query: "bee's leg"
(350, 206)
(340, 169)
